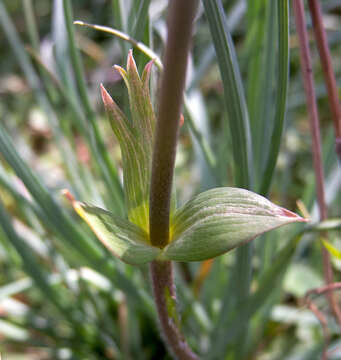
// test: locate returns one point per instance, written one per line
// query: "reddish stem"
(309, 87)
(323, 321)
(180, 19)
(163, 286)
(323, 289)
(327, 66)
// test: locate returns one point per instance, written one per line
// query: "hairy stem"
(327, 67)
(164, 294)
(308, 80)
(181, 15)
(180, 19)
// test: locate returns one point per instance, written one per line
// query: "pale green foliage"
(211, 224)
(221, 219)
(136, 140)
(124, 239)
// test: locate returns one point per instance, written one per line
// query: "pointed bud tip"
(131, 65)
(149, 65)
(120, 70)
(289, 214)
(66, 193)
(107, 100)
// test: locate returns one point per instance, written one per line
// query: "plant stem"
(162, 280)
(327, 66)
(306, 66)
(181, 15)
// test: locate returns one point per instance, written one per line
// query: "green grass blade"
(120, 14)
(86, 186)
(230, 324)
(19, 50)
(102, 155)
(262, 86)
(31, 24)
(68, 231)
(30, 261)
(61, 222)
(33, 35)
(233, 92)
(34, 82)
(239, 125)
(254, 48)
(7, 183)
(141, 19)
(282, 84)
(208, 57)
(266, 116)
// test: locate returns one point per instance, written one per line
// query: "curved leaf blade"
(122, 238)
(221, 219)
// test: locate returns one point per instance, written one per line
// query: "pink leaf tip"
(107, 100)
(131, 65)
(291, 214)
(68, 195)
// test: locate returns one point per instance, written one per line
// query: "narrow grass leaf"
(234, 320)
(108, 169)
(281, 98)
(238, 121)
(56, 217)
(262, 121)
(141, 19)
(30, 261)
(233, 92)
(67, 230)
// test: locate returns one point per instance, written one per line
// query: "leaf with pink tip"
(219, 220)
(135, 163)
(146, 75)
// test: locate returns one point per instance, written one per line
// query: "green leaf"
(281, 98)
(239, 124)
(30, 261)
(221, 219)
(231, 324)
(233, 91)
(125, 240)
(136, 140)
(332, 249)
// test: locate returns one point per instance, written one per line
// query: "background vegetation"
(62, 295)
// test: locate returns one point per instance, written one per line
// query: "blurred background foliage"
(62, 296)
